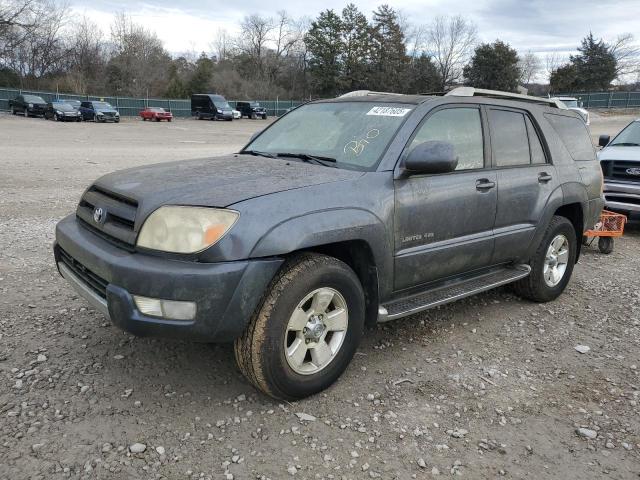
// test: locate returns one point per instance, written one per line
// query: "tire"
(261, 350)
(535, 287)
(169, 119)
(605, 245)
(55, 117)
(13, 111)
(26, 113)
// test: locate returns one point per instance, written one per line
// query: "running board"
(451, 293)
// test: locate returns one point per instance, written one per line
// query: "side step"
(451, 292)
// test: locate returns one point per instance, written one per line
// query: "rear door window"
(509, 138)
(574, 135)
(537, 152)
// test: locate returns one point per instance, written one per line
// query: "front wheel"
(551, 264)
(306, 329)
(605, 245)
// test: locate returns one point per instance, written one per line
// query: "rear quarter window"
(574, 135)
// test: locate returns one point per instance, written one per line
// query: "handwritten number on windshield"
(356, 147)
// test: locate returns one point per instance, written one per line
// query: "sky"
(540, 26)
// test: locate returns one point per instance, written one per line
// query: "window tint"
(537, 153)
(509, 139)
(573, 133)
(462, 128)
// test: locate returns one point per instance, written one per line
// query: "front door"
(444, 222)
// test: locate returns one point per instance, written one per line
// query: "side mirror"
(431, 157)
(603, 141)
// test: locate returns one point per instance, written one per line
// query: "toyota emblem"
(633, 171)
(98, 215)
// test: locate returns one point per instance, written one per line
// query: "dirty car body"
(338, 187)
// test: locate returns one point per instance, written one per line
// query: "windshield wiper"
(258, 153)
(320, 160)
(625, 144)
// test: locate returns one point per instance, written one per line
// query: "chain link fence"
(130, 107)
(605, 99)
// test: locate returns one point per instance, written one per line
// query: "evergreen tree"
(202, 79)
(325, 46)
(595, 65)
(564, 79)
(355, 37)
(493, 66)
(423, 75)
(175, 87)
(390, 60)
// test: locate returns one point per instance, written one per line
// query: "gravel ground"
(489, 387)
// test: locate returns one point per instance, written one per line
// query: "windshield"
(255, 104)
(356, 134)
(102, 105)
(570, 103)
(629, 137)
(33, 99)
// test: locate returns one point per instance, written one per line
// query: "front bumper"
(622, 196)
(226, 294)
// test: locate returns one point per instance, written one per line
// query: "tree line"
(44, 46)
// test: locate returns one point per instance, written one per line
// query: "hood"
(620, 153)
(106, 110)
(66, 108)
(216, 182)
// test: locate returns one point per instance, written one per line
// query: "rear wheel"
(13, 111)
(306, 329)
(552, 263)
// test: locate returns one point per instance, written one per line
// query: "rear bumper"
(622, 196)
(225, 294)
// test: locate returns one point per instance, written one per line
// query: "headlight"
(180, 229)
(58, 112)
(31, 105)
(117, 114)
(219, 111)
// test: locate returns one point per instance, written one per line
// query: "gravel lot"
(488, 387)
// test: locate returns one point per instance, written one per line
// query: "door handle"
(484, 184)
(544, 177)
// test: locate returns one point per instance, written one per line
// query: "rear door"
(525, 178)
(444, 222)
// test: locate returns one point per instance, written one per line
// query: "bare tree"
(451, 41)
(529, 65)
(553, 61)
(255, 32)
(627, 54)
(222, 45)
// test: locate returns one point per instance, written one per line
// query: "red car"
(156, 113)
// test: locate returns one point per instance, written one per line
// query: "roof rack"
(479, 92)
(364, 93)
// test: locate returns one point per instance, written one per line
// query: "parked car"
(343, 213)
(27, 105)
(156, 114)
(252, 110)
(99, 112)
(236, 114)
(209, 106)
(74, 103)
(574, 104)
(620, 161)
(61, 111)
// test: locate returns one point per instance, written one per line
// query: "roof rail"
(479, 92)
(364, 93)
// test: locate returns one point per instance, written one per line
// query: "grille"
(617, 169)
(95, 282)
(119, 215)
(630, 199)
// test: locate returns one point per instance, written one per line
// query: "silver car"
(620, 161)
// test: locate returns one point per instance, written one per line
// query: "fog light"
(170, 309)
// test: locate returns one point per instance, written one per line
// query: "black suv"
(28, 105)
(251, 110)
(342, 213)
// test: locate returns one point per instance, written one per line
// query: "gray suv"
(342, 213)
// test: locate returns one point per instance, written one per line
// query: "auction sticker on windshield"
(389, 111)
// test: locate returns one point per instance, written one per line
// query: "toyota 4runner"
(342, 213)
